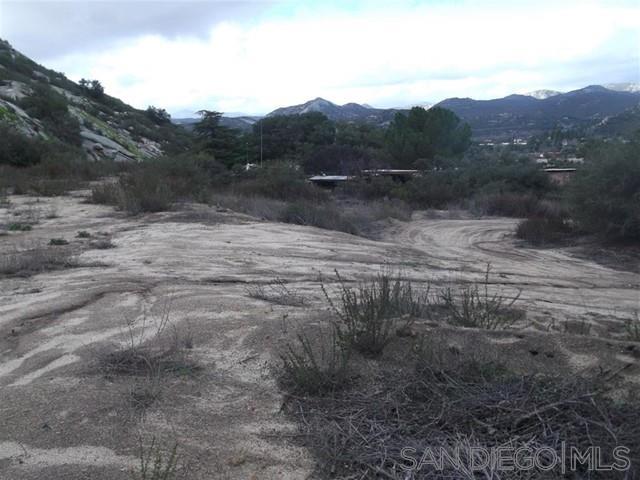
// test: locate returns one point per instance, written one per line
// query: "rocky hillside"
(39, 102)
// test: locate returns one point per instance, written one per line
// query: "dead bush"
(473, 306)
(381, 430)
(369, 314)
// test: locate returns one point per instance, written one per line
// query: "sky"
(254, 56)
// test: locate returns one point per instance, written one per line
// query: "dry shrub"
(153, 347)
(36, 260)
(259, 207)
(473, 306)
(369, 313)
(317, 361)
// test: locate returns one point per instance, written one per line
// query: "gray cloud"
(48, 29)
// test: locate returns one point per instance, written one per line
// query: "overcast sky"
(254, 56)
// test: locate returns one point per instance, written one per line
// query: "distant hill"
(347, 112)
(39, 102)
(522, 115)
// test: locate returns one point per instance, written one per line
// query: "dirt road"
(63, 419)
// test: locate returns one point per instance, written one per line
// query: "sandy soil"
(61, 418)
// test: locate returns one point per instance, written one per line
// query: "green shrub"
(508, 204)
(280, 181)
(604, 196)
(542, 230)
(19, 150)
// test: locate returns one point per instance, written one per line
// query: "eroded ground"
(60, 417)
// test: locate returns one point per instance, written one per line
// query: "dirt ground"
(62, 418)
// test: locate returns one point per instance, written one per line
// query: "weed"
(477, 308)
(277, 292)
(83, 234)
(156, 463)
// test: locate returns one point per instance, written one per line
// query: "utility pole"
(260, 143)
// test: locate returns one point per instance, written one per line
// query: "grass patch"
(83, 234)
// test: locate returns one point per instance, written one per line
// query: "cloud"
(45, 28)
(383, 55)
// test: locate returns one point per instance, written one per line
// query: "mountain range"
(502, 118)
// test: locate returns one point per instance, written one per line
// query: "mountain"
(243, 123)
(624, 87)
(39, 102)
(543, 94)
(523, 115)
(346, 113)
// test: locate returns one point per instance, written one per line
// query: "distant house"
(329, 181)
(560, 176)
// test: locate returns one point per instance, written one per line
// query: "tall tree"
(223, 142)
(423, 136)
